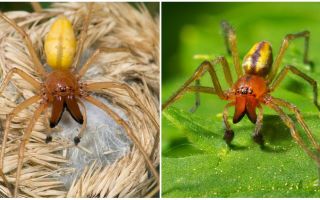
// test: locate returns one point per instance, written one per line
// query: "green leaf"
(282, 169)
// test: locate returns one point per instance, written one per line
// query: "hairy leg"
(227, 75)
(23, 75)
(299, 73)
(84, 125)
(128, 130)
(284, 46)
(230, 39)
(257, 136)
(10, 116)
(197, 95)
(94, 57)
(228, 134)
(23, 143)
(109, 85)
(301, 121)
(83, 37)
(35, 59)
(14, 112)
(204, 67)
(294, 133)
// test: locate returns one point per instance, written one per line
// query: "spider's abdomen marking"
(249, 89)
(258, 60)
(60, 44)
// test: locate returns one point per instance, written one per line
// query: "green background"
(196, 162)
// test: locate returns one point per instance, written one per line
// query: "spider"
(62, 88)
(253, 87)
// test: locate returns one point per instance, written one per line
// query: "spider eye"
(63, 89)
(258, 60)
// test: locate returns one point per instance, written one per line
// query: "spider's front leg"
(84, 124)
(25, 37)
(228, 134)
(205, 66)
(257, 136)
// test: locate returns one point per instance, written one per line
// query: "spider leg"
(10, 116)
(197, 95)
(230, 39)
(83, 37)
(128, 130)
(199, 89)
(24, 75)
(301, 121)
(297, 72)
(95, 55)
(284, 46)
(257, 136)
(105, 85)
(227, 75)
(84, 125)
(228, 134)
(49, 129)
(294, 133)
(6, 182)
(35, 59)
(23, 143)
(204, 67)
(15, 111)
(36, 7)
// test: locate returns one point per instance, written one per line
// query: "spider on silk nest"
(253, 88)
(62, 88)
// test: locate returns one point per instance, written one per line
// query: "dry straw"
(106, 164)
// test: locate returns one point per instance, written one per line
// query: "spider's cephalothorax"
(62, 91)
(61, 88)
(255, 82)
(249, 89)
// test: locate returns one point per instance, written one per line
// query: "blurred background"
(190, 29)
(9, 6)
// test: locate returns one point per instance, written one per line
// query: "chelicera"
(253, 88)
(62, 88)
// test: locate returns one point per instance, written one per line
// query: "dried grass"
(113, 168)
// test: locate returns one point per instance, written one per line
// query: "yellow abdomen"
(60, 44)
(258, 60)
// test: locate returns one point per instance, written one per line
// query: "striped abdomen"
(258, 60)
